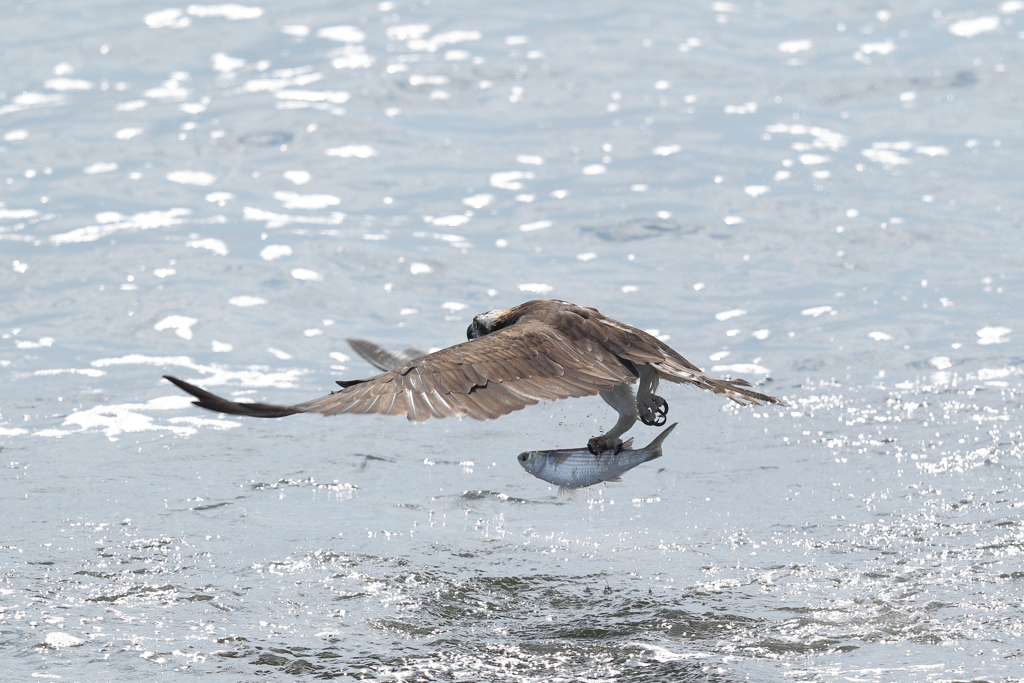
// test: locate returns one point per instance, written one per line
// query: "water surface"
(821, 198)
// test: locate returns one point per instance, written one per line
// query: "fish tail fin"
(571, 492)
(655, 446)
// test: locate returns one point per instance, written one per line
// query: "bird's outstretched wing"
(484, 378)
(381, 358)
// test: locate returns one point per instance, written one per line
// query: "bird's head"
(485, 323)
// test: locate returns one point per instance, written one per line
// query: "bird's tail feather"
(733, 389)
(736, 390)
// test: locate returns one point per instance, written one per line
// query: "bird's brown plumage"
(538, 351)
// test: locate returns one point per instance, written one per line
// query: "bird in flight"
(541, 350)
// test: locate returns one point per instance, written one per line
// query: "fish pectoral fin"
(570, 492)
(615, 478)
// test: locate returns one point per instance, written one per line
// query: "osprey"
(537, 351)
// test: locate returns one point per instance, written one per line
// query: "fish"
(574, 468)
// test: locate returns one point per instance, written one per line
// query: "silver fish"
(574, 468)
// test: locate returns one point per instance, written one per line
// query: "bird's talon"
(601, 445)
(655, 413)
(662, 412)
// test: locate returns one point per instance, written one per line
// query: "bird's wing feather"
(484, 378)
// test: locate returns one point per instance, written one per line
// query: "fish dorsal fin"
(627, 445)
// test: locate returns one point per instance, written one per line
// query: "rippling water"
(823, 198)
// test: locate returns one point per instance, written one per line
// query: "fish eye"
(523, 457)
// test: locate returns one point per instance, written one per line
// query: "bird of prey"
(540, 350)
